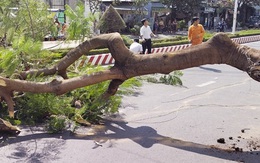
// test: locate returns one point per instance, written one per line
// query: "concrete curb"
(105, 59)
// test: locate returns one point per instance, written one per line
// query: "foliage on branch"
(173, 78)
(56, 110)
(26, 17)
(25, 53)
(79, 27)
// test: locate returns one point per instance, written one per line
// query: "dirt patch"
(234, 143)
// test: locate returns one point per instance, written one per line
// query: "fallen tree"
(218, 50)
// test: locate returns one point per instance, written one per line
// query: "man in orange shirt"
(196, 32)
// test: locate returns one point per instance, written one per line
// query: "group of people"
(195, 35)
(60, 32)
(145, 37)
(170, 27)
(61, 29)
(221, 26)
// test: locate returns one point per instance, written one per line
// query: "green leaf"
(79, 26)
(9, 61)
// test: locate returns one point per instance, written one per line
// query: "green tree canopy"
(94, 6)
(187, 7)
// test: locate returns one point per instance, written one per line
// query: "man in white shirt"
(136, 47)
(146, 34)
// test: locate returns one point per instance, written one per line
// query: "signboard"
(209, 9)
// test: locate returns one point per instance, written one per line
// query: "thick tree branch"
(112, 88)
(218, 50)
(61, 86)
(106, 40)
(6, 94)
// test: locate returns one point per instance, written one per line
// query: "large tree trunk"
(218, 50)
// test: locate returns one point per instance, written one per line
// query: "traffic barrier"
(105, 59)
(169, 48)
(242, 40)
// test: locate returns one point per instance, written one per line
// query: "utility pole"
(235, 17)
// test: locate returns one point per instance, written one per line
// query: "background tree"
(111, 21)
(139, 5)
(189, 8)
(94, 6)
(245, 8)
(248, 2)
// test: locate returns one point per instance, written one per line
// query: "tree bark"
(218, 50)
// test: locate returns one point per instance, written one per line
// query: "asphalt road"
(162, 124)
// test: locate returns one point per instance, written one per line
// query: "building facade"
(58, 7)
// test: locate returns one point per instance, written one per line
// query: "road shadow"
(145, 136)
(210, 69)
(32, 147)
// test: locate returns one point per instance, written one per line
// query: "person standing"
(174, 26)
(136, 47)
(196, 32)
(155, 26)
(222, 26)
(146, 34)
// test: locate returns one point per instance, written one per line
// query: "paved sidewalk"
(53, 45)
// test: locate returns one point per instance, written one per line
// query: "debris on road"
(221, 140)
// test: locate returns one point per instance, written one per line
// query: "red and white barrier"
(102, 59)
(169, 48)
(242, 40)
(105, 59)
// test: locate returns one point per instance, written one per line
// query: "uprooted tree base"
(218, 50)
